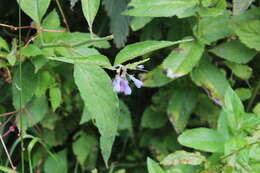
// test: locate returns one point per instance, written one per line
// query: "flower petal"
(137, 82)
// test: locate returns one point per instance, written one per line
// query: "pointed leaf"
(55, 98)
(90, 9)
(154, 167)
(100, 100)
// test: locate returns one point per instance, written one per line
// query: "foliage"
(75, 99)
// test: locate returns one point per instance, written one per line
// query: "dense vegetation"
(157, 86)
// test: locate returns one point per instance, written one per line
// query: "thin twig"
(6, 151)
(255, 92)
(63, 15)
(9, 113)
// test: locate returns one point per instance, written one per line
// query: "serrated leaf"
(139, 22)
(162, 8)
(27, 86)
(242, 71)
(3, 44)
(154, 167)
(207, 76)
(119, 24)
(234, 51)
(203, 139)
(138, 49)
(181, 105)
(35, 9)
(183, 157)
(249, 33)
(55, 98)
(239, 6)
(182, 60)
(90, 9)
(100, 60)
(102, 103)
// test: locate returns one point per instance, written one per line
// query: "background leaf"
(90, 9)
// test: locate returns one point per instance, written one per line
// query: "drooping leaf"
(3, 44)
(183, 157)
(203, 139)
(162, 8)
(57, 163)
(138, 49)
(181, 61)
(90, 9)
(35, 9)
(239, 6)
(26, 87)
(119, 24)
(207, 76)
(55, 98)
(181, 105)
(154, 167)
(249, 33)
(234, 51)
(242, 71)
(100, 100)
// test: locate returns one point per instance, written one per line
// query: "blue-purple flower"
(137, 82)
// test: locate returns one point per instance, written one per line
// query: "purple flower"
(125, 87)
(137, 82)
(121, 85)
(116, 83)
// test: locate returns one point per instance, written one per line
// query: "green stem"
(63, 44)
(255, 92)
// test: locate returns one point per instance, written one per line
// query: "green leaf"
(256, 109)
(213, 28)
(152, 119)
(211, 80)
(31, 50)
(239, 6)
(242, 71)
(249, 33)
(86, 142)
(34, 112)
(183, 157)
(3, 44)
(162, 8)
(139, 22)
(100, 60)
(244, 93)
(57, 163)
(45, 81)
(203, 139)
(90, 9)
(234, 51)
(35, 9)
(125, 118)
(119, 24)
(85, 116)
(27, 86)
(100, 100)
(181, 61)
(181, 105)
(212, 7)
(154, 167)
(138, 49)
(55, 98)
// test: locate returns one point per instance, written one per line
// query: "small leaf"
(256, 109)
(90, 9)
(45, 81)
(55, 98)
(249, 33)
(183, 157)
(35, 9)
(139, 22)
(138, 49)
(242, 71)
(27, 86)
(154, 167)
(244, 93)
(203, 139)
(3, 44)
(234, 51)
(182, 60)
(102, 103)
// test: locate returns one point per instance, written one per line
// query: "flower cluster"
(121, 84)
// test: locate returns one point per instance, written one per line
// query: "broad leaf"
(152, 119)
(207, 76)
(249, 33)
(57, 163)
(183, 157)
(242, 71)
(90, 9)
(35, 9)
(154, 167)
(239, 6)
(203, 139)
(138, 49)
(234, 51)
(162, 8)
(55, 98)
(212, 7)
(182, 60)
(181, 105)
(26, 88)
(100, 100)
(139, 22)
